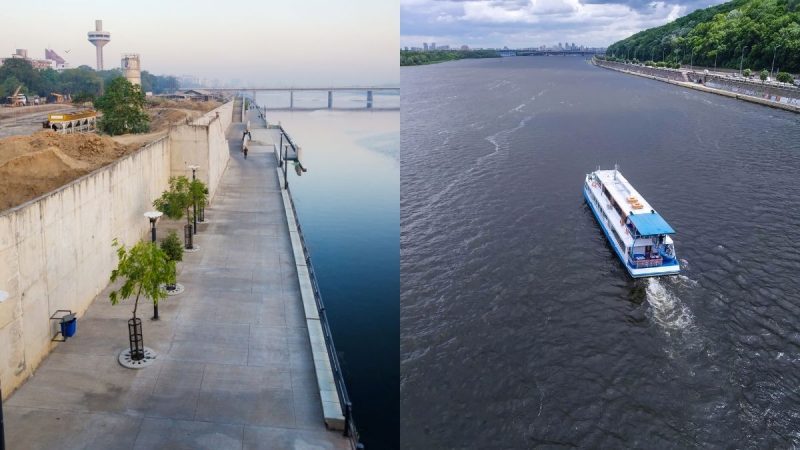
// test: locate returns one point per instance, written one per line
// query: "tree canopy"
(123, 108)
(82, 82)
(746, 32)
(415, 58)
(144, 269)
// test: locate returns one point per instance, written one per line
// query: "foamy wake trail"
(666, 309)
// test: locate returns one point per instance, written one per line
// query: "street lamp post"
(774, 52)
(741, 61)
(194, 203)
(153, 216)
(691, 62)
(3, 297)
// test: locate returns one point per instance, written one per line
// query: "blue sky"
(531, 23)
(279, 43)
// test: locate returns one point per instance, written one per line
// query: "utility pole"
(741, 61)
(773, 60)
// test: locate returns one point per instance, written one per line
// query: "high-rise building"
(433, 45)
(99, 38)
(60, 63)
(425, 46)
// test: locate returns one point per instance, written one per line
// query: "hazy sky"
(275, 43)
(531, 23)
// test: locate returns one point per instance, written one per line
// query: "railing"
(341, 389)
(651, 262)
(350, 430)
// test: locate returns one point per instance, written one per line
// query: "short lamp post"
(3, 297)
(153, 216)
(194, 205)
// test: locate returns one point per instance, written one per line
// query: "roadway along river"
(519, 327)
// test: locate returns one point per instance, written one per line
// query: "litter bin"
(69, 325)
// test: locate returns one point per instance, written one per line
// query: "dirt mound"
(184, 104)
(163, 118)
(33, 165)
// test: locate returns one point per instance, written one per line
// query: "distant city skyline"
(433, 46)
(267, 43)
(522, 23)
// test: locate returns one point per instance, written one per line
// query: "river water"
(519, 326)
(348, 205)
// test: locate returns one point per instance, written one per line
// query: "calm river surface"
(519, 326)
(348, 205)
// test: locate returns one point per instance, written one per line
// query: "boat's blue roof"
(650, 224)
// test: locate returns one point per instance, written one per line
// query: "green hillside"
(724, 32)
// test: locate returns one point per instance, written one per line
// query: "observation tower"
(99, 38)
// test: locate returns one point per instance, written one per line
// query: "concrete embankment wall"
(56, 253)
(638, 70)
(764, 91)
(203, 143)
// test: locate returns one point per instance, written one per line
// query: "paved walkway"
(234, 369)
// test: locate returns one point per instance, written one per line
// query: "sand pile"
(33, 165)
(162, 118)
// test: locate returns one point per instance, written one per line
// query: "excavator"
(17, 99)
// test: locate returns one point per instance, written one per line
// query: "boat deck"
(621, 190)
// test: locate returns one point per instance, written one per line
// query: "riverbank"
(698, 87)
(348, 205)
(421, 58)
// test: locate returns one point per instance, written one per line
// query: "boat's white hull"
(671, 269)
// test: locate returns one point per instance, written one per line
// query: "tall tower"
(131, 69)
(99, 38)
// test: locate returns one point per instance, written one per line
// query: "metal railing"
(350, 430)
(341, 388)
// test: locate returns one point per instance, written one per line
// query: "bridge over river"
(368, 91)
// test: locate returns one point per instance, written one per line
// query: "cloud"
(530, 23)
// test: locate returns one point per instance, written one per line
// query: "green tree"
(747, 73)
(23, 71)
(177, 200)
(145, 268)
(82, 81)
(763, 75)
(123, 108)
(8, 87)
(784, 77)
(198, 192)
(172, 247)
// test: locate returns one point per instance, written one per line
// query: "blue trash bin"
(69, 325)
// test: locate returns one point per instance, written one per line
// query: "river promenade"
(234, 367)
(683, 82)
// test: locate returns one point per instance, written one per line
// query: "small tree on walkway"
(763, 75)
(123, 108)
(176, 201)
(145, 268)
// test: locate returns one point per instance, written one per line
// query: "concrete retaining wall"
(56, 253)
(789, 96)
(660, 72)
(203, 143)
(700, 87)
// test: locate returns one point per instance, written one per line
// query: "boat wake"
(666, 309)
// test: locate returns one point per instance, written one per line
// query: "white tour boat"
(638, 234)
